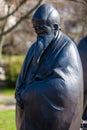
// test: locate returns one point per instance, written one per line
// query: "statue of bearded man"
(49, 90)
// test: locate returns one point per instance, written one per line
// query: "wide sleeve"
(23, 71)
(22, 76)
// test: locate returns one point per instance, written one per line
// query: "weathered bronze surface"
(49, 91)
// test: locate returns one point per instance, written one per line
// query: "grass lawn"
(7, 117)
(7, 92)
(7, 120)
(7, 96)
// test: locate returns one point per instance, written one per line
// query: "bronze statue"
(82, 48)
(49, 91)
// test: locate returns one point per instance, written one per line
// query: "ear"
(55, 27)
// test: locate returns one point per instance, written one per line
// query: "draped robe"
(51, 88)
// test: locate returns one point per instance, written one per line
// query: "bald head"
(46, 22)
(48, 14)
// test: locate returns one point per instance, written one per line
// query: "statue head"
(46, 21)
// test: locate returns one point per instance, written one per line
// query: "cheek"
(48, 31)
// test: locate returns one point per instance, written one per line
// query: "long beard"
(46, 39)
(41, 44)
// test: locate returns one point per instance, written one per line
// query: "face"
(43, 31)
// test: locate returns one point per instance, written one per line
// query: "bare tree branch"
(85, 1)
(3, 27)
(15, 10)
(79, 1)
(22, 18)
(2, 30)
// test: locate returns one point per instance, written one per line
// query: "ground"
(7, 102)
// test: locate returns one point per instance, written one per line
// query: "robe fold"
(51, 88)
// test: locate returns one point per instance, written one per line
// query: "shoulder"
(69, 53)
(68, 43)
(69, 56)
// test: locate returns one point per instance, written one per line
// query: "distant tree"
(79, 16)
(73, 15)
(80, 1)
(13, 8)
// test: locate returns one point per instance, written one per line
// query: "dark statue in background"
(82, 48)
(49, 91)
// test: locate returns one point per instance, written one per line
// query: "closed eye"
(40, 30)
